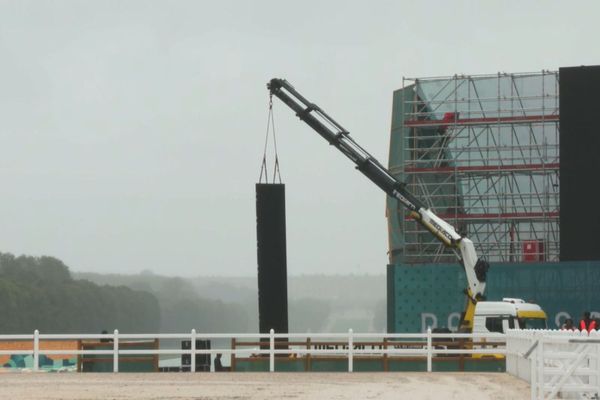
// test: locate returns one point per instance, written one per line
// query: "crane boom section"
(339, 137)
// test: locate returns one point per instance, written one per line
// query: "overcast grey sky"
(131, 132)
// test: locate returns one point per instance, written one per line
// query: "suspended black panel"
(579, 163)
(272, 264)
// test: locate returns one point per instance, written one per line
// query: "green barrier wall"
(422, 295)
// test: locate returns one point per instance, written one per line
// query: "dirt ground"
(250, 386)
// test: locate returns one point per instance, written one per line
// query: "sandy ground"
(247, 386)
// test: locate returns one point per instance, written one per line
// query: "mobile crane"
(475, 268)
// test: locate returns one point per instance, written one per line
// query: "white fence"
(426, 345)
(557, 364)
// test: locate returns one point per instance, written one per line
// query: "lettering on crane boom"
(404, 200)
(445, 233)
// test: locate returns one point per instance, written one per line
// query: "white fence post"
(597, 346)
(193, 351)
(116, 351)
(534, 368)
(429, 349)
(36, 350)
(350, 351)
(541, 361)
(272, 350)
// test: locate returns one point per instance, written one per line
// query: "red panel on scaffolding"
(533, 250)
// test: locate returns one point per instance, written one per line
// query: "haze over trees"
(316, 303)
(182, 306)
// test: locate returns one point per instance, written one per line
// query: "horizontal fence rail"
(348, 345)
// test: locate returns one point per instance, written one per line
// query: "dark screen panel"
(579, 163)
(272, 262)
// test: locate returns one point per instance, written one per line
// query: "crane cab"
(510, 313)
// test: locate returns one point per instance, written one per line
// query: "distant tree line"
(39, 293)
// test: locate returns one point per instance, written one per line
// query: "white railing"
(425, 345)
(555, 363)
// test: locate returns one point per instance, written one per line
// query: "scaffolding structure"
(483, 152)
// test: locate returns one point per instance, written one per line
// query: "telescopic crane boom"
(337, 136)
